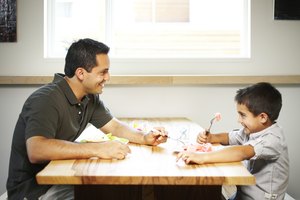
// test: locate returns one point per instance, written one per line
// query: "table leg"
(191, 192)
(108, 192)
(135, 192)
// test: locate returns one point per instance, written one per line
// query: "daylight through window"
(151, 28)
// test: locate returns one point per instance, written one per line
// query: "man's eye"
(101, 73)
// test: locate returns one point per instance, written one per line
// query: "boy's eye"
(242, 115)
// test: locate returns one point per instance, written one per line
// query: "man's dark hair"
(83, 54)
(261, 98)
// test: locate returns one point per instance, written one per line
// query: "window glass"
(151, 28)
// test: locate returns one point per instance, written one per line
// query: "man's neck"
(76, 87)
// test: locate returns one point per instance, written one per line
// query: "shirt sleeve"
(237, 137)
(41, 118)
(267, 147)
(101, 115)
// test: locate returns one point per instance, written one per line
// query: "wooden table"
(155, 167)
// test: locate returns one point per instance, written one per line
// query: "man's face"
(251, 123)
(94, 81)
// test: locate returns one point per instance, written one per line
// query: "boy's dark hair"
(83, 54)
(261, 98)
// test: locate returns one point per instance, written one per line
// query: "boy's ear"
(263, 117)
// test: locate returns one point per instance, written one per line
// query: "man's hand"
(156, 136)
(41, 149)
(113, 150)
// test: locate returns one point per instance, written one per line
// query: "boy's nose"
(239, 120)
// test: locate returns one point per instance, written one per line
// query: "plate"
(93, 134)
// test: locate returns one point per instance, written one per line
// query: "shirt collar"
(260, 133)
(64, 86)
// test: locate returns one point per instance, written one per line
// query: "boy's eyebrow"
(105, 70)
(241, 113)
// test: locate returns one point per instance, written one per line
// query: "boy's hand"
(190, 157)
(203, 137)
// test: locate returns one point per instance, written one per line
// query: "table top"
(148, 165)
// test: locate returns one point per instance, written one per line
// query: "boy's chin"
(247, 131)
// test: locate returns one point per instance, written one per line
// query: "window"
(151, 28)
(161, 11)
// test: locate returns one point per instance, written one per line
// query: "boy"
(260, 143)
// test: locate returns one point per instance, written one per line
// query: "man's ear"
(79, 73)
(263, 117)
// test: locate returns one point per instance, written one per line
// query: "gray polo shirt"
(269, 165)
(52, 111)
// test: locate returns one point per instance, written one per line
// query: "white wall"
(275, 50)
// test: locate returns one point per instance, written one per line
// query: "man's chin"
(98, 91)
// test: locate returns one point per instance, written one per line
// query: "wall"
(275, 47)
(275, 50)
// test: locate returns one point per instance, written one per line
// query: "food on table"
(204, 147)
(104, 138)
(93, 134)
(112, 137)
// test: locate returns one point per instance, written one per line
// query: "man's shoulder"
(47, 93)
(50, 88)
(47, 90)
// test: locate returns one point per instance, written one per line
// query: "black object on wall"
(8, 21)
(287, 9)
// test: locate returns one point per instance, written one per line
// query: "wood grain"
(146, 165)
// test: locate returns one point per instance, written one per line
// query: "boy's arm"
(221, 138)
(228, 154)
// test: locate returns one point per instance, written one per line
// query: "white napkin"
(92, 134)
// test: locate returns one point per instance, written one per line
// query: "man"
(56, 114)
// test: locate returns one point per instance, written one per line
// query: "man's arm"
(121, 129)
(41, 149)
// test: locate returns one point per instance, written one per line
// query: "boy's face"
(251, 123)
